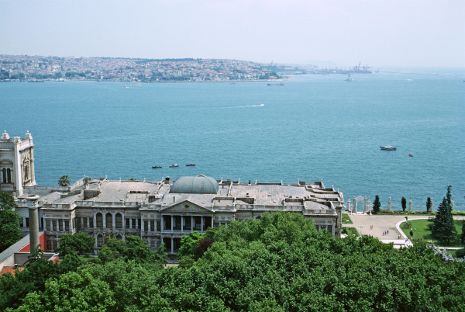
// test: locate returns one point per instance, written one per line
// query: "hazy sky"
(380, 33)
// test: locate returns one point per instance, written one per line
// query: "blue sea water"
(312, 128)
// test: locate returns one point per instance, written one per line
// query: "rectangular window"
(177, 223)
(187, 223)
(128, 223)
(54, 225)
(152, 225)
(60, 225)
(167, 223)
(197, 223)
(78, 223)
(47, 225)
(207, 223)
(27, 222)
(134, 225)
(21, 223)
(158, 226)
(91, 222)
(146, 225)
(66, 225)
(139, 223)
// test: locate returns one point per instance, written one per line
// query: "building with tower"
(16, 163)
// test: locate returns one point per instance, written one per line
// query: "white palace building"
(158, 211)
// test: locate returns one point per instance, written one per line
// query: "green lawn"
(422, 230)
(349, 231)
(346, 219)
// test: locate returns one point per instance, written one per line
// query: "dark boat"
(388, 148)
(156, 167)
(410, 155)
(190, 165)
(174, 166)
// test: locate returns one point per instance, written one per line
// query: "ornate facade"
(164, 211)
(16, 163)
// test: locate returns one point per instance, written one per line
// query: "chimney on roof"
(33, 228)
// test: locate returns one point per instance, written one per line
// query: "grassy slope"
(422, 230)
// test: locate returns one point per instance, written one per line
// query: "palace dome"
(195, 185)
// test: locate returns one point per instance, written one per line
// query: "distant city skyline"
(339, 33)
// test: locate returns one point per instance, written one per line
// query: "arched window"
(109, 220)
(4, 175)
(118, 221)
(119, 236)
(99, 220)
(99, 240)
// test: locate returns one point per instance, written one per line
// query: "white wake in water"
(245, 106)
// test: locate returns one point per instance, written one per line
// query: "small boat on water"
(410, 155)
(349, 78)
(388, 148)
(156, 167)
(190, 165)
(174, 166)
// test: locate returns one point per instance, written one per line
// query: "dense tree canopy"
(79, 244)
(7, 201)
(278, 263)
(10, 231)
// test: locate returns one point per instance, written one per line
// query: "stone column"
(17, 167)
(172, 243)
(33, 228)
(95, 221)
(113, 219)
(201, 224)
(104, 220)
(182, 224)
(192, 223)
(142, 227)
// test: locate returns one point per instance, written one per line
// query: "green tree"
(79, 244)
(132, 248)
(462, 236)
(443, 228)
(64, 181)
(429, 205)
(403, 203)
(71, 292)
(10, 232)
(376, 205)
(449, 197)
(7, 201)
(278, 263)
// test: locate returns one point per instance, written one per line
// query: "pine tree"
(449, 197)
(376, 205)
(443, 227)
(462, 237)
(404, 203)
(429, 205)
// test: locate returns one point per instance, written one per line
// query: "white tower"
(16, 163)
